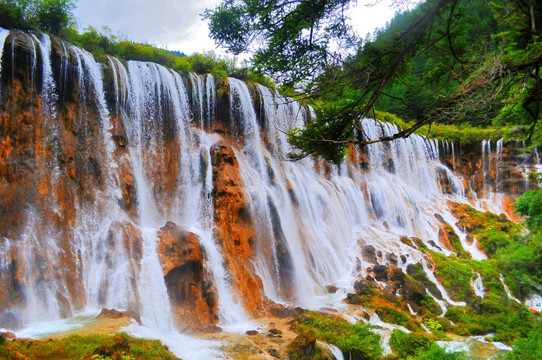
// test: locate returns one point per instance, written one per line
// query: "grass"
(355, 340)
(119, 346)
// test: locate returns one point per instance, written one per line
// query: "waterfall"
(124, 148)
(3, 36)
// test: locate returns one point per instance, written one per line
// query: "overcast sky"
(177, 24)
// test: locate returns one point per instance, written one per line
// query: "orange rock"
(189, 285)
(234, 228)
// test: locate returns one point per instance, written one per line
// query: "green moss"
(454, 275)
(79, 347)
(493, 232)
(354, 340)
(394, 316)
(405, 240)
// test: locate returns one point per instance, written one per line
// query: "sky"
(177, 24)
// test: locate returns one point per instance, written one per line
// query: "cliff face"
(130, 186)
(65, 164)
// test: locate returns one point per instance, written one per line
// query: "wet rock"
(252, 332)
(413, 290)
(331, 289)
(8, 335)
(380, 272)
(369, 254)
(115, 314)
(281, 311)
(389, 293)
(188, 282)
(353, 299)
(303, 347)
(397, 275)
(234, 230)
(11, 321)
(440, 218)
(433, 244)
(403, 259)
(274, 333)
(363, 287)
(392, 258)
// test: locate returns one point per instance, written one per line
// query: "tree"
(46, 15)
(503, 77)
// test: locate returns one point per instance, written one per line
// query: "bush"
(530, 206)
(356, 341)
(405, 345)
(529, 348)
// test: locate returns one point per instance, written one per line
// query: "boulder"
(380, 272)
(369, 254)
(190, 288)
(115, 314)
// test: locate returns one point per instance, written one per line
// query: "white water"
(478, 285)
(507, 290)
(3, 36)
(534, 301)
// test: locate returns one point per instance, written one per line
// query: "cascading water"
(139, 131)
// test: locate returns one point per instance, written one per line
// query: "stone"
(252, 332)
(413, 290)
(115, 314)
(331, 289)
(274, 333)
(369, 254)
(353, 299)
(8, 335)
(392, 258)
(440, 218)
(190, 288)
(380, 272)
(363, 287)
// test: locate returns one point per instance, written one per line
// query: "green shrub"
(355, 340)
(435, 352)
(529, 348)
(405, 345)
(530, 206)
(394, 316)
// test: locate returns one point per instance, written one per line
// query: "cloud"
(176, 24)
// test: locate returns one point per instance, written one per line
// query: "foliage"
(530, 206)
(354, 340)
(529, 348)
(435, 352)
(297, 35)
(119, 346)
(474, 64)
(394, 316)
(454, 275)
(406, 345)
(493, 231)
(54, 16)
(47, 15)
